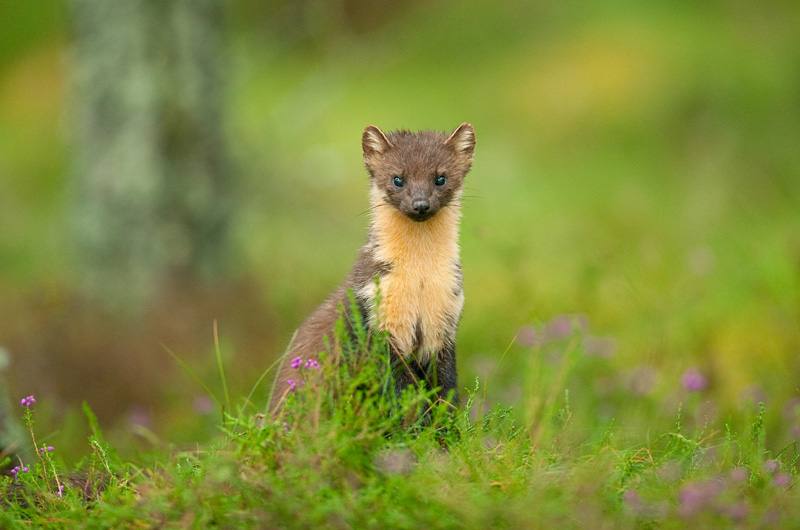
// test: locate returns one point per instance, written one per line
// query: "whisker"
(476, 195)
(371, 208)
(451, 205)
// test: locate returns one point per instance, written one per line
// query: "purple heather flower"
(739, 511)
(782, 480)
(27, 401)
(19, 469)
(753, 395)
(203, 405)
(693, 381)
(633, 501)
(312, 364)
(558, 328)
(526, 336)
(771, 466)
(771, 518)
(292, 384)
(48, 448)
(697, 496)
(603, 347)
(297, 362)
(791, 409)
(642, 380)
(740, 474)
(139, 415)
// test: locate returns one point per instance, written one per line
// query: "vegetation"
(346, 453)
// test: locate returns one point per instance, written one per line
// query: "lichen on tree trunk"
(152, 179)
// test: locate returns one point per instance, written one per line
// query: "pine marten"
(416, 183)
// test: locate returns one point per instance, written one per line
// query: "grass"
(346, 453)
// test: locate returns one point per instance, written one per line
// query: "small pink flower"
(297, 362)
(739, 511)
(27, 401)
(558, 328)
(203, 405)
(697, 496)
(693, 381)
(16, 470)
(782, 480)
(634, 501)
(526, 336)
(740, 474)
(771, 466)
(312, 364)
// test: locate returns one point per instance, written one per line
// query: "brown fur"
(413, 251)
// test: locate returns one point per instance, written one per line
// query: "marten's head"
(418, 173)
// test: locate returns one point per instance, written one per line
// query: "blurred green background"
(637, 175)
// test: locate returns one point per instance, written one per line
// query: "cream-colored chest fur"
(421, 296)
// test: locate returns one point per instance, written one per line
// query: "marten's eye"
(440, 180)
(398, 182)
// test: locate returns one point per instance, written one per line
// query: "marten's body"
(416, 186)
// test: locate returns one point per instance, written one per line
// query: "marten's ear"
(463, 140)
(374, 142)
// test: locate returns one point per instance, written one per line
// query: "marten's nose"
(421, 206)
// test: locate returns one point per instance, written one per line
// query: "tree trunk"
(153, 189)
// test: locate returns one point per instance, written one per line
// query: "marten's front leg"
(439, 372)
(446, 376)
(406, 371)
